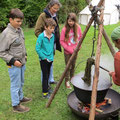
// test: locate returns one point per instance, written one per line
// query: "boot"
(25, 100)
(20, 109)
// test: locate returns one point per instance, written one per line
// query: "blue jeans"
(17, 81)
(51, 79)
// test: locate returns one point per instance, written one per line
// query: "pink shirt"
(70, 45)
(116, 74)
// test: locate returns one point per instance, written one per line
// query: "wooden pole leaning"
(96, 75)
(107, 39)
(112, 50)
(94, 91)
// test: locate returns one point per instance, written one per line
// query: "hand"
(110, 73)
(17, 63)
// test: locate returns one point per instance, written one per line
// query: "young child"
(116, 40)
(69, 38)
(45, 51)
(12, 51)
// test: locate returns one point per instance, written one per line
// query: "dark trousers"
(45, 67)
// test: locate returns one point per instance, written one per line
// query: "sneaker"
(20, 109)
(25, 100)
(46, 96)
(54, 82)
(67, 84)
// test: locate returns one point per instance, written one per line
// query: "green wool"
(87, 75)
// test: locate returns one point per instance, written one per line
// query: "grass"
(59, 109)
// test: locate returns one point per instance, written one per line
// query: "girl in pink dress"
(69, 38)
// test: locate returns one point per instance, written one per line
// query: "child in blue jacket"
(45, 51)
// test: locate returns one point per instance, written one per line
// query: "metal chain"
(94, 38)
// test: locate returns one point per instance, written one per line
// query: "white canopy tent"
(111, 13)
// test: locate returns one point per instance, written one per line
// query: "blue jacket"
(45, 47)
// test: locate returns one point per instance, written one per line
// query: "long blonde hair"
(73, 17)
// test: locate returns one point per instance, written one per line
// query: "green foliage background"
(33, 8)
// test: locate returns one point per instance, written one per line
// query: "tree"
(33, 8)
(4, 9)
(70, 6)
(32, 11)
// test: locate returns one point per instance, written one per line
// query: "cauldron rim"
(103, 84)
(91, 90)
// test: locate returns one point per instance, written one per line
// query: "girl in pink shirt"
(69, 38)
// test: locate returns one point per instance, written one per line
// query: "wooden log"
(107, 39)
(96, 75)
(112, 50)
(98, 110)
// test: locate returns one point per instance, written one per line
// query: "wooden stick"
(98, 110)
(104, 69)
(107, 39)
(112, 50)
(96, 75)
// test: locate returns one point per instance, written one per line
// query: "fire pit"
(108, 111)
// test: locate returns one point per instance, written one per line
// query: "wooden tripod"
(97, 60)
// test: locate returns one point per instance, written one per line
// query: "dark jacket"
(39, 28)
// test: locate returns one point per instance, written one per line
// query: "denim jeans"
(51, 79)
(17, 81)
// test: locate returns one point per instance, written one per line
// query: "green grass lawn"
(59, 109)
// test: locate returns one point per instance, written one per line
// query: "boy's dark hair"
(50, 22)
(16, 13)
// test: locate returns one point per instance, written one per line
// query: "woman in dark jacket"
(50, 12)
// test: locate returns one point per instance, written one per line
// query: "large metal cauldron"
(83, 91)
